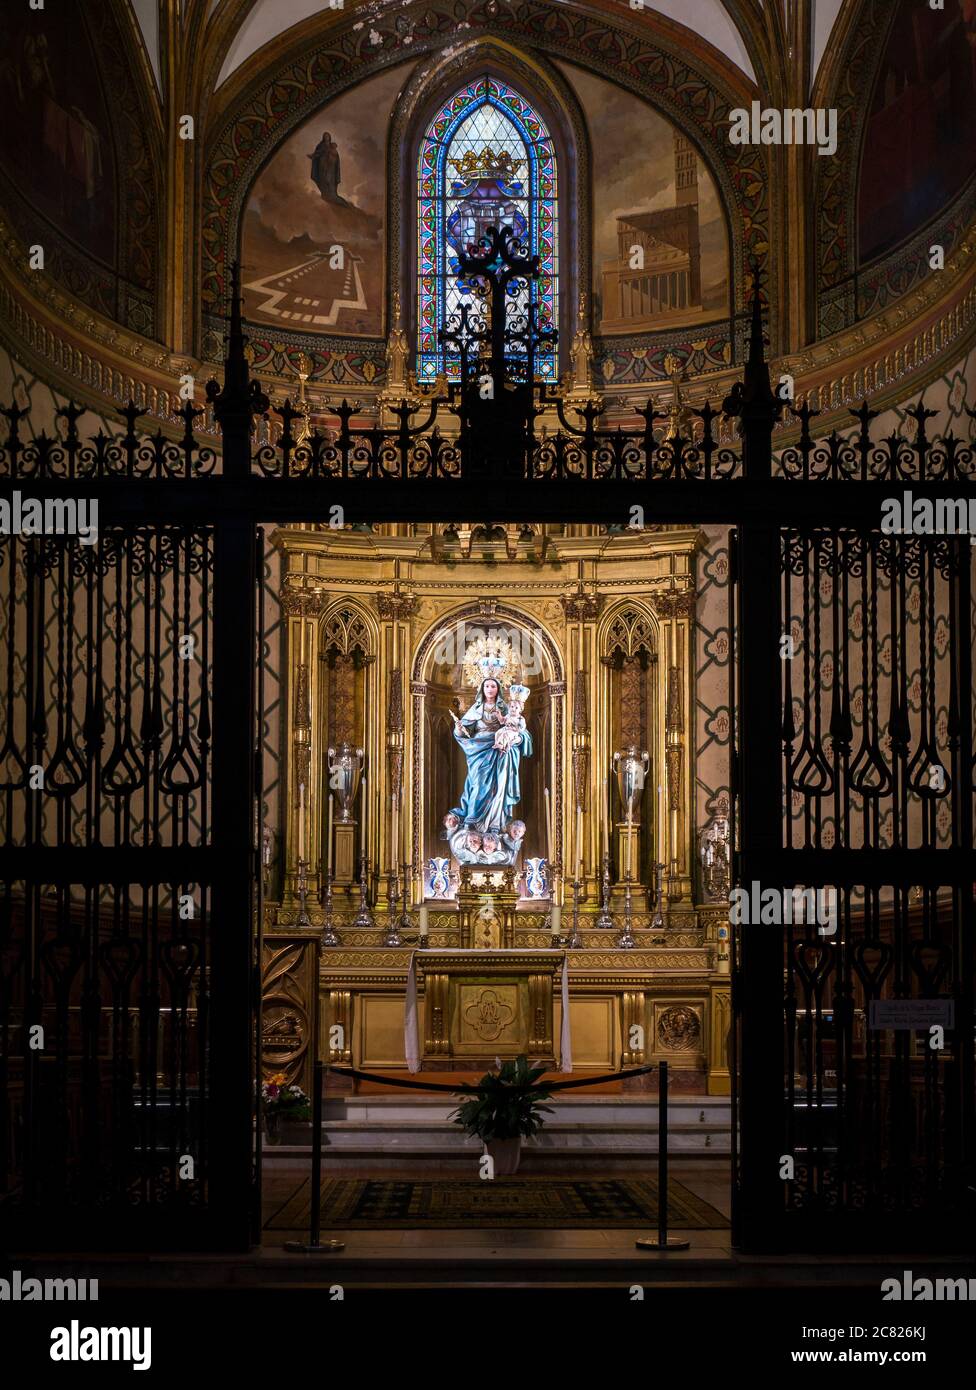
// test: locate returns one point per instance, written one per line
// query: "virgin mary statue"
(480, 825)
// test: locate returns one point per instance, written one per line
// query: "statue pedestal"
(487, 898)
(628, 853)
(344, 864)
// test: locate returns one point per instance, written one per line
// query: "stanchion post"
(315, 1215)
(662, 1241)
(315, 1245)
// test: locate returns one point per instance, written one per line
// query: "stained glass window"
(486, 158)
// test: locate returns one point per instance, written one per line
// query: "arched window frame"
(542, 196)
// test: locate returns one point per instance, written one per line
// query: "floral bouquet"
(286, 1102)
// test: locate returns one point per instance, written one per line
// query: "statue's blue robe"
(491, 788)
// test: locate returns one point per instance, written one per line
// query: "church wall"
(76, 160)
(921, 126)
(904, 89)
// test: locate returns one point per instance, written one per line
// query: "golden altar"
(483, 1004)
(366, 659)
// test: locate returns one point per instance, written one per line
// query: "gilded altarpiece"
(385, 629)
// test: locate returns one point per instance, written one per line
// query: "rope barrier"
(455, 1089)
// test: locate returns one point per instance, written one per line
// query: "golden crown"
(491, 656)
(487, 162)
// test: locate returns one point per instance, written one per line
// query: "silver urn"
(630, 766)
(345, 770)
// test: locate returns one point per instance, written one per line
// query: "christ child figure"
(514, 723)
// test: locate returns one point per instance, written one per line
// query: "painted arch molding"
(257, 23)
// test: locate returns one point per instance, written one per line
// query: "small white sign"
(911, 1013)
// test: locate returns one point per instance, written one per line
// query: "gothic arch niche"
(432, 88)
(629, 646)
(347, 647)
(439, 766)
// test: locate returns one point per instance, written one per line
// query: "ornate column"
(395, 611)
(302, 603)
(587, 799)
(676, 609)
(633, 1025)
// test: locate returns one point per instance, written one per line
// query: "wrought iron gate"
(129, 881)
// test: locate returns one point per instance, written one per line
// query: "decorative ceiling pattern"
(265, 20)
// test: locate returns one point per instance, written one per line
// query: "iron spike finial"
(757, 346)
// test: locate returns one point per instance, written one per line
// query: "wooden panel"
(592, 1020)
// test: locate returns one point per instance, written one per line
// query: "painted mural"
(921, 131)
(56, 138)
(313, 227)
(660, 248)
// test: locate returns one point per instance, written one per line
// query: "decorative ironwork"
(500, 409)
(146, 832)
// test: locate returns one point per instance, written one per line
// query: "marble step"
(611, 1131)
(609, 1111)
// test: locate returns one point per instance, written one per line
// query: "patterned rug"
(542, 1203)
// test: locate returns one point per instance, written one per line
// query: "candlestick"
(574, 941)
(626, 940)
(579, 840)
(362, 817)
(303, 919)
(364, 918)
(423, 920)
(301, 820)
(548, 829)
(392, 935)
(328, 848)
(605, 919)
(329, 937)
(554, 915)
(393, 838)
(607, 826)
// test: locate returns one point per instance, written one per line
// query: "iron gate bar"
(200, 864)
(281, 502)
(759, 507)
